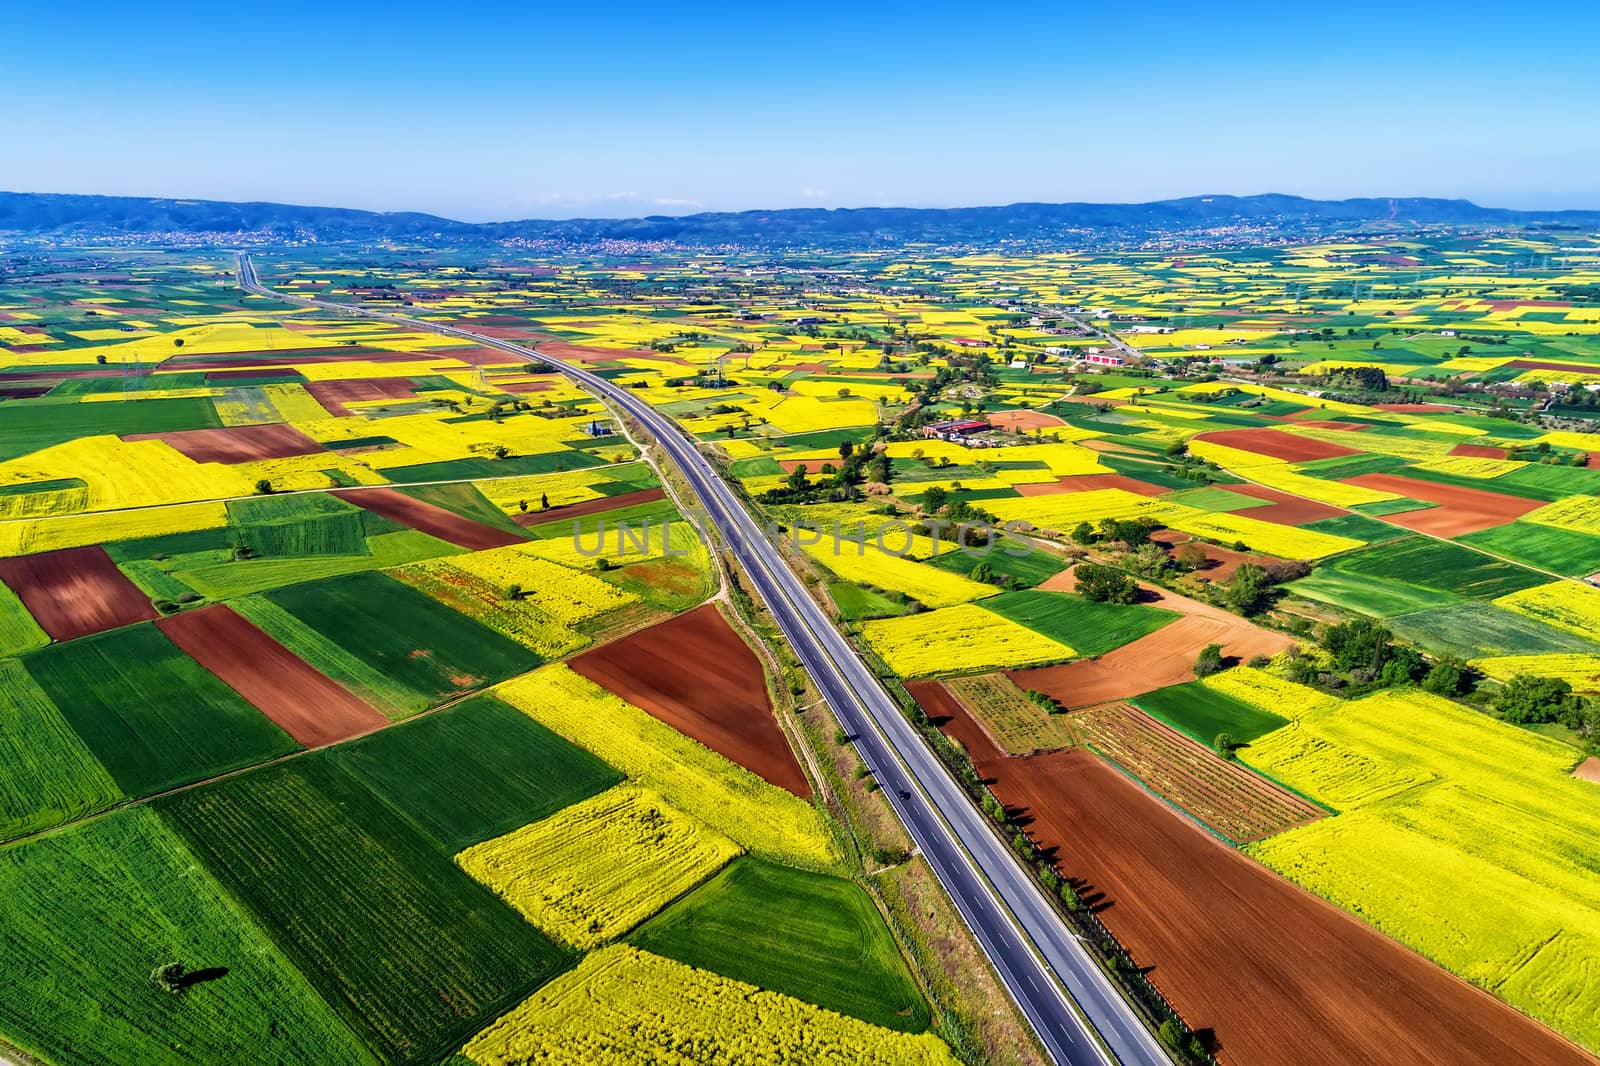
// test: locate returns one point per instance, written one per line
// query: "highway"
(1079, 1016)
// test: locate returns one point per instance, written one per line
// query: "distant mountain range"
(1076, 224)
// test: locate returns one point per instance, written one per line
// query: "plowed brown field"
(1275, 974)
(335, 394)
(1461, 510)
(588, 507)
(1284, 509)
(305, 703)
(1088, 483)
(236, 444)
(695, 674)
(75, 592)
(1165, 657)
(1276, 443)
(432, 520)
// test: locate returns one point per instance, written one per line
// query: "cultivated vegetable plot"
(1018, 724)
(1224, 795)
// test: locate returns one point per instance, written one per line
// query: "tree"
(846, 447)
(933, 500)
(1532, 698)
(1245, 589)
(983, 572)
(514, 592)
(1447, 677)
(1150, 558)
(1209, 660)
(264, 487)
(544, 501)
(522, 505)
(1104, 584)
(1191, 555)
(1083, 533)
(1359, 644)
(170, 977)
(797, 479)
(1224, 744)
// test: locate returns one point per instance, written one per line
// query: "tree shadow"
(202, 976)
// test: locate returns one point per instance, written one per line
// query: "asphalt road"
(1079, 1016)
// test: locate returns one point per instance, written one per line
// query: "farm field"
(339, 880)
(699, 676)
(532, 769)
(93, 909)
(622, 1005)
(806, 935)
(1232, 959)
(592, 871)
(1220, 794)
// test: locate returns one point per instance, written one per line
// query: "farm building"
(953, 430)
(1103, 359)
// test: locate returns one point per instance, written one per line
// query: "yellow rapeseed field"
(1567, 604)
(959, 640)
(30, 536)
(1462, 836)
(592, 871)
(766, 819)
(623, 1006)
(1581, 671)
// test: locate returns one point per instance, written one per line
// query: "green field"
(414, 640)
(1204, 712)
(1441, 566)
(28, 428)
(150, 713)
(807, 935)
(856, 603)
(92, 910)
(1087, 627)
(364, 679)
(1565, 551)
(302, 524)
(1034, 567)
(241, 577)
(49, 775)
(412, 952)
(1356, 527)
(1474, 630)
(1356, 592)
(18, 631)
(473, 771)
(467, 501)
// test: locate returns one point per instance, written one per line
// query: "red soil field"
(578, 353)
(588, 507)
(75, 592)
(1273, 973)
(264, 372)
(694, 673)
(1588, 769)
(236, 444)
(24, 392)
(430, 519)
(520, 387)
(1539, 364)
(305, 703)
(1165, 657)
(287, 357)
(1088, 483)
(1017, 421)
(1461, 510)
(1276, 443)
(1478, 451)
(335, 394)
(1283, 508)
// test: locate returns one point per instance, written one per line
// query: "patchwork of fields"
(378, 670)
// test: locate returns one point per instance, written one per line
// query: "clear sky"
(495, 111)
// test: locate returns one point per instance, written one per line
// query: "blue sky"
(492, 111)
